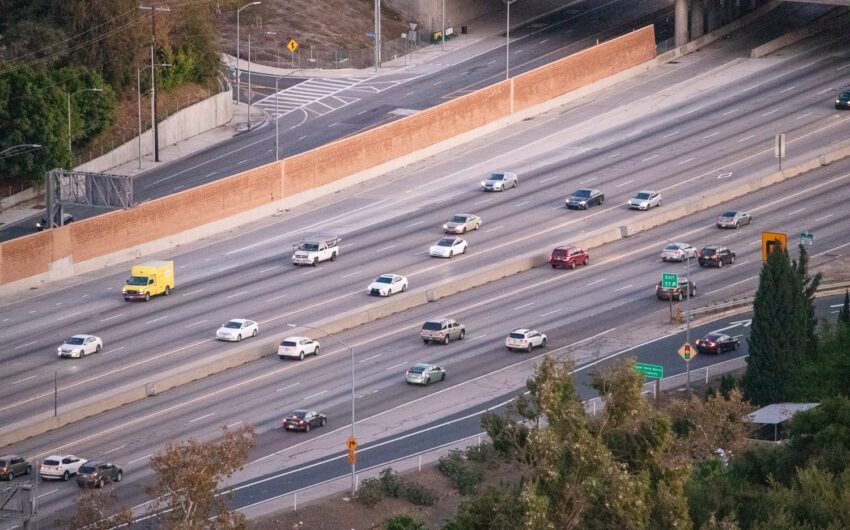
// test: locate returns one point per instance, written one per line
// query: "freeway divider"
(243, 354)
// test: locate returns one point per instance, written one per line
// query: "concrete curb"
(139, 390)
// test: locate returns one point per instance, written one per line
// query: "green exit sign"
(669, 280)
(655, 371)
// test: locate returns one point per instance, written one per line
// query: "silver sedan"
(461, 223)
(424, 374)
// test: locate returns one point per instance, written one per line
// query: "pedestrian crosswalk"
(308, 95)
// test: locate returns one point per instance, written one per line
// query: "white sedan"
(80, 345)
(448, 247)
(387, 284)
(297, 347)
(678, 252)
(237, 329)
(60, 466)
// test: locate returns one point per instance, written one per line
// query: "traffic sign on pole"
(351, 443)
(769, 240)
(687, 353)
(655, 371)
(807, 238)
(669, 280)
(292, 45)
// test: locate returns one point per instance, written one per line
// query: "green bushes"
(391, 484)
(465, 474)
(403, 522)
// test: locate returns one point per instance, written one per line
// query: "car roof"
(441, 319)
(82, 336)
(59, 457)
(591, 190)
(715, 334)
(423, 365)
(240, 320)
(646, 191)
(9, 457)
(521, 330)
(566, 247)
(295, 338)
(300, 411)
(464, 215)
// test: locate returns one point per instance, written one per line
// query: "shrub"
(465, 475)
(391, 484)
(418, 494)
(403, 522)
(371, 492)
(486, 454)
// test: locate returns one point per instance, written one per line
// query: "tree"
(810, 286)
(779, 341)
(97, 510)
(187, 476)
(844, 313)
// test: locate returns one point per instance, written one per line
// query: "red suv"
(568, 257)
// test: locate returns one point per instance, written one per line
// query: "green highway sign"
(655, 371)
(807, 238)
(669, 280)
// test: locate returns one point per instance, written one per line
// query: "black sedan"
(717, 343)
(842, 100)
(304, 420)
(716, 256)
(585, 198)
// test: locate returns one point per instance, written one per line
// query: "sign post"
(292, 45)
(669, 280)
(351, 443)
(769, 240)
(652, 371)
(779, 149)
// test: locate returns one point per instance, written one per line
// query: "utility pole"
(249, 81)
(443, 29)
(377, 34)
(688, 317)
(153, 10)
(276, 121)
(238, 82)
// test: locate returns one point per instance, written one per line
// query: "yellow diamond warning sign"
(687, 352)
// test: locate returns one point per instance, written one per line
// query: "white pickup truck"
(315, 249)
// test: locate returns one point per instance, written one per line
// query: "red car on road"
(568, 257)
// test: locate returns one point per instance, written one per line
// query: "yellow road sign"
(351, 443)
(292, 45)
(769, 239)
(687, 352)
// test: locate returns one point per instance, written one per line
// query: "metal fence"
(307, 56)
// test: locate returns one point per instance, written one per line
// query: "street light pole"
(238, 84)
(377, 34)
(351, 350)
(688, 318)
(443, 28)
(276, 122)
(508, 40)
(69, 113)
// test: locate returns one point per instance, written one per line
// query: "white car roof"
(82, 336)
(296, 339)
(240, 320)
(521, 330)
(60, 457)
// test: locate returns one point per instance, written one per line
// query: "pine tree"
(810, 286)
(844, 314)
(779, 338)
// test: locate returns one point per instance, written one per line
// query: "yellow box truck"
(149, 279)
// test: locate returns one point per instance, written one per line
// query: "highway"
(587, 314)
(370, 101)
(387, 226)
(645, 133)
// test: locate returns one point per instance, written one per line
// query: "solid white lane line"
(523, 203)
(715, 133)
(234, 295)
(824, 91)
(620, 185)
(587, 181)
(756, 242)
(474, 338)
(768, 113)
(310, 271)
(68, 316)
(119, 348)
(384, 248)
(801, 116)
(550, 313)
(482, 202)
(822, 218)
(795, 212)
(355, 273)
(686, 161)
(672, 134)
(281, 389)
(647, 159)
(270, 269)
(276, 298)
(745, 138)
(112, 317)
(197, 323)
(547, 179)
(314, 395)
(597, 281)
(369, 358)
(114, 449)
(731, 111)
(523, 306)
(790, 88)
(139, 459)
(156, 319)
(396, 365)
(741, 263)
(199, 418)
(622, 288)
(417, 223)
(493, 229)
(23, 380)
(843, 67)
(190, 293)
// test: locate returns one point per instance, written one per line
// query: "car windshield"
(299, 414)
(137, 280)
(432, 326)
(309, 247)
(560, 252)
(708, 251)
(417, 369)
(582, 194)
(76, 341)
(87, 469)
(497, 176)
(289, 343)
(445, 242)
(517, 336)
(642, 196)
(671, 247)
(729, 214)
(384, 279)
(233, 325)
(713, 336)
(458, 219)
(51, 462)
(845, 95)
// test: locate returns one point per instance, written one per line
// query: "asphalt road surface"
(368, 100)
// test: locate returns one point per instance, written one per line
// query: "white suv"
(60, 466)
(525, 339)
(297, 347)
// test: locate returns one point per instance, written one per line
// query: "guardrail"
(823, 290)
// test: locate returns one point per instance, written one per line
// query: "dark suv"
(677, 293)
(716, 256)
(97, 473)
(13, 465)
